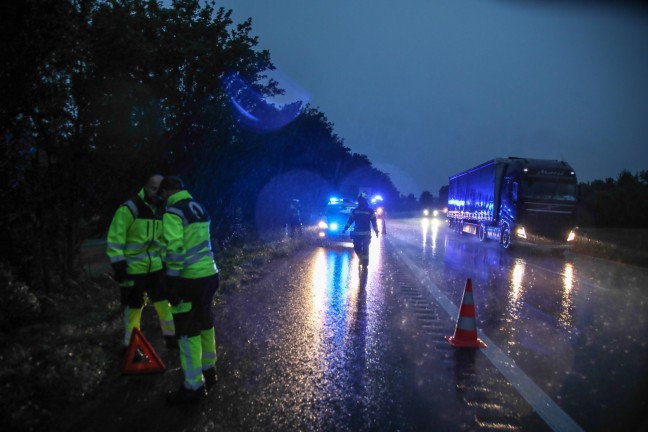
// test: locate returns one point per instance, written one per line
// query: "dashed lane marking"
(546, 408)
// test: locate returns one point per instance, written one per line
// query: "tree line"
(615, 203)
(100, 94)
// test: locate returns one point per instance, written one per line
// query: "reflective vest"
(134, 235)
(186, 239)
(363, 217)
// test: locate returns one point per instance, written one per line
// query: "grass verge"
(61, 350)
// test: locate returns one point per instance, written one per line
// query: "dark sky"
(427, 88)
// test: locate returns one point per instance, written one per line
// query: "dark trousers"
(361, 248)
(198, 295)
(149, 283)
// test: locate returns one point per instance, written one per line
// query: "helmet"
(171, 183)
(362, 196)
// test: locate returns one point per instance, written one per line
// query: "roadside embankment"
(621, 245)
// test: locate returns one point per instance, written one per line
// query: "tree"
(426, 199)
(619, 203)
(84, 127)
(443, 194)
(43, 179)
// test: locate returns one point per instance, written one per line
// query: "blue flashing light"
(376, 198)
(334, 200)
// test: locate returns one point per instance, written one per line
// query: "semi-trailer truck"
(511, 199)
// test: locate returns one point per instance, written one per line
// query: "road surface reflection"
(429, 234)
(340, 328)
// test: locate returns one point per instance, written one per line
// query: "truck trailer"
(512, 199)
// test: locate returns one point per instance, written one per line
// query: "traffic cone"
(465, 335)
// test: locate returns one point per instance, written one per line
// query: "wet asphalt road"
(576, 325)
(316, 345)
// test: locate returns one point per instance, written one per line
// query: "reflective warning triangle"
(140, 356)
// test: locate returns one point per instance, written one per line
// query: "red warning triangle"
(140, 356)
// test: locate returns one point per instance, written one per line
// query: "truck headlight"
(521, 232)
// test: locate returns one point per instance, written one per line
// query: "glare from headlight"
(426, 212)
(322, 225)
(435, 213)
(571, 236)
(521, 232)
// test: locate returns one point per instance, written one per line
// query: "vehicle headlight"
(426, 212)
(435, 213)
(571, 236)
(521, 232)
(322, 225)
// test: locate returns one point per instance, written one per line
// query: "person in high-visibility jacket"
(364, 218)
(192, 278)
(133, 246)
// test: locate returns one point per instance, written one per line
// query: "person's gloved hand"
(119, 268)
(173, 289)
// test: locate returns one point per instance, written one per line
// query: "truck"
(515, 199)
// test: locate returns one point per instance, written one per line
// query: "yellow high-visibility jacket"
(134, 236)
(187, 243)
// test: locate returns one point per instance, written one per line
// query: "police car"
(334, 218)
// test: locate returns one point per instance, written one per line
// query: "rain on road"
(315, 345)
(319, 346)
(576, 325)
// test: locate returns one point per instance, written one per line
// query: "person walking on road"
(364, 218)
(133, 246)
(192, 278)
(294, 225)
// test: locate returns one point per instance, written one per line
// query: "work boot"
(210, 377)
(171, 342)
(184, 396)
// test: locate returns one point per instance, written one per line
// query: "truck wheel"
(481, 232)
(506, 237)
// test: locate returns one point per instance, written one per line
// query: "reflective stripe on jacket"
(186, 238)
(364, 218)
(134, 235)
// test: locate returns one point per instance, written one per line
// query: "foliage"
(426, 199)
(615, 203)
(102, 93)
(21, 306)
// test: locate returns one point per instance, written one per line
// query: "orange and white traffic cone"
(465, 335)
